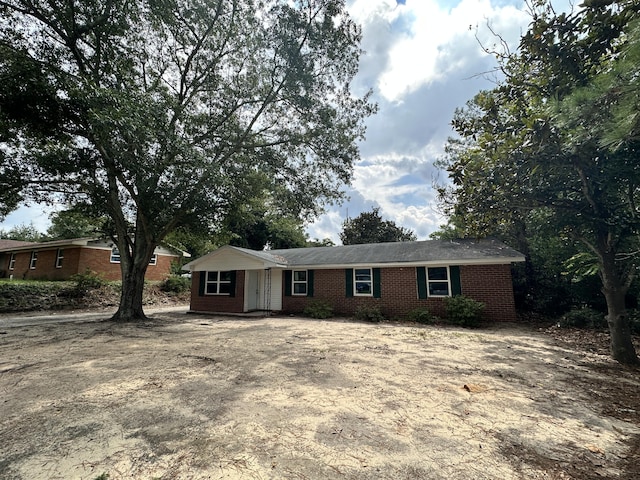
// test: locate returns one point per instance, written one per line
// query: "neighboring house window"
(363, 281)
(12, 261)
(115, 255)
(59, 258)
(34, 259)
(438, 282)
(299, 282)
(218, 283)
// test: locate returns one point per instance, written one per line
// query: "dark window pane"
(363, 274)
(300, 276)
(363, 288)
(225, 276)
(225, 288)
(438, 273)
(212, 288)
(438, 288)
(212, 276)
(300, 288)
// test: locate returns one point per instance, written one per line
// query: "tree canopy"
(169, 114)
(533, 144)
(369, 227)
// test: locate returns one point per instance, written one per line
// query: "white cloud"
(427, 41)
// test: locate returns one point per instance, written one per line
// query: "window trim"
(154, 259)
(448, 281)
(59, 257)
(12, 261)
(114, 255)
(218, 282)
(295, 282)
(370, 282)
(33, 260)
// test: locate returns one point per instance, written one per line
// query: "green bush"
(421, 315)
(463, 311)
(176, 284)
(369, 313)
(87, 281)
(584, 317)
(318, 309)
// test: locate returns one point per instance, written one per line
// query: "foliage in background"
(22, 232)
(536, 148)
(176, 284)
(369, 227)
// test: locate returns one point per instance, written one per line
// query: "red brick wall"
(78, 260)
(489, 284)
(217, 303)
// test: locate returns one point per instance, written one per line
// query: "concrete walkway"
(9, 320)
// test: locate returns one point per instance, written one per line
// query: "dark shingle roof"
(428, 251)
(9, 244)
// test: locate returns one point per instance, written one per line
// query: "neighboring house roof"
(92, 242)
(13, 244)
(465, 251)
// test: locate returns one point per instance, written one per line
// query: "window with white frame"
(363, 281)
(438, 282)
(59, 257)
(217, 283)
(34, 259)
(12, 261)
(299, 282)
(115, 255)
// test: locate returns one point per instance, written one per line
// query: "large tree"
(522, 148)
(370, 227)
(166, 113)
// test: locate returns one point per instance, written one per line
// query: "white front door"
(252, 291)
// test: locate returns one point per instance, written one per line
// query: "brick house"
(60, 259)
(397, 277)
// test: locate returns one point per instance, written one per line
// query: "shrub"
(318, 309)
(176, 284)
(421, 315)
(87, 281)
(463, 311)
(369, 313)
(584, 317)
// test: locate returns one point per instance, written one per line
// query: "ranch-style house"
(396, 277)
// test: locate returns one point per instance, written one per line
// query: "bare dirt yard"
(197, 397)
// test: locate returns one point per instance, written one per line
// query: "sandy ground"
(195, 397)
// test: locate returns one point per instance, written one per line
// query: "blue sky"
(422, 60)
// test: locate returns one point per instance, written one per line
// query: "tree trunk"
(622, 349)
(130, 308)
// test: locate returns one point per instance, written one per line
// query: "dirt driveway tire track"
(187, 396)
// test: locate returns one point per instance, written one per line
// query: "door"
(253, 290)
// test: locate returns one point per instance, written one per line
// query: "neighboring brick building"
(60, 259)
(397, 277)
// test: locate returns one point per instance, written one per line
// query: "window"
(34, 259)
(363, 281)
(115, 255)
(299, 282)
(59, 257)
(12, 261)
(218, 283)
(438, 282)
